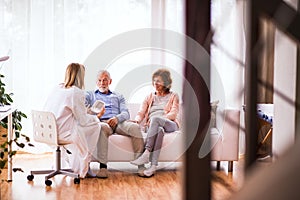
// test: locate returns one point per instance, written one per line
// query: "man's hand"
(112, 122)
(101, 113)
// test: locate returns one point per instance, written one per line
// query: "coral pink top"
(171, 109)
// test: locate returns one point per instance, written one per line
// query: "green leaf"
(17, 134)
(17, 169)
(9, 98)
(26, 137)
(23, 115)
(3, 146)
(22, 145)
(2, 163)
(18, 117)
(18, 127)
(3, 124)
(12, 153)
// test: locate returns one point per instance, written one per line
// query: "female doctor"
(67, 103)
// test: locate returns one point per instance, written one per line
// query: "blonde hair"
(166, 77)
(74, 75)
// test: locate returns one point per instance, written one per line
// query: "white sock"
(143, 159)
(147, 153)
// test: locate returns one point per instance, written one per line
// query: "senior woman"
(160, 111)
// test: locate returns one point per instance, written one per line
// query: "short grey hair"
(102, 71)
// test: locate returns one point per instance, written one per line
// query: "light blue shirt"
(115, 104)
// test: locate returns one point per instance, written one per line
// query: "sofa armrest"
(230, 134)
(226, 148)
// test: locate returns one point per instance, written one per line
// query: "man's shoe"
(102, 173)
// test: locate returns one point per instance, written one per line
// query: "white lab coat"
(74, 125)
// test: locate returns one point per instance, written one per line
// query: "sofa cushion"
(120, 147)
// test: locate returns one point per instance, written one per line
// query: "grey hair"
(102, 71)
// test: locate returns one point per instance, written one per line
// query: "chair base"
(56, 171)
(52, 173)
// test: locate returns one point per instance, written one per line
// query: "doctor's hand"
(89, 111)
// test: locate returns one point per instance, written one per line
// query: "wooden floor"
(123, 182)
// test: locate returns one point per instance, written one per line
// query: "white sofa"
(225, 140)
(120, 147)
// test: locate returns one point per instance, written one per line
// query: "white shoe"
(143, 159)
(90, 174)
(150, 171)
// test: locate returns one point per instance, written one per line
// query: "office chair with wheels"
(45, 131)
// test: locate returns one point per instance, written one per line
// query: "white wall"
(284, 85)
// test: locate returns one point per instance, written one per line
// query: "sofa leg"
(218, 165)
(230, 166)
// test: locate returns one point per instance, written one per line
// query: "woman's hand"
(134, 121)
(148, 123)
(89, 111)
(101, 113)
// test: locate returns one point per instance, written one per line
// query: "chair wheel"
(48, 182)
(30, 177)
(76, 180)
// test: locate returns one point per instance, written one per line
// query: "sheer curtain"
(228, 56)
(43, 37)
(266, 71)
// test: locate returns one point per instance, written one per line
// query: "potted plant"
(17, 116)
